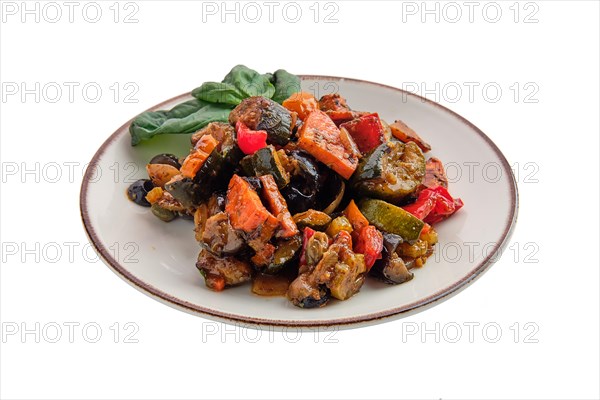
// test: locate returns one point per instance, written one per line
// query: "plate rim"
(370, 318)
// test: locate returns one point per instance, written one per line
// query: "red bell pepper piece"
(370, 244)
(367, 131)
(248, 140)
(307, 234)
(423, 205)
(434, 205)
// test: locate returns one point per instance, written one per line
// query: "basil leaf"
(249, 82)
(213, 101)
(285, 84)
(187, 117)
(216, 92)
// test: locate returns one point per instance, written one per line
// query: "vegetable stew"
(303, 197)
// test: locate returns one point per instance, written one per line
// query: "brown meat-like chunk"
(249, 112)
(340, 270)
(315, 248)
(220, 237)
(260, 113)
(168, 202)
(303, 292)
(435, 175)
(336, 108)
(222, 272)
(223, 133)
(406, 134)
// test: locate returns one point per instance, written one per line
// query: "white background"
(171, 50)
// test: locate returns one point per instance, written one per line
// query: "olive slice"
(167, 159)
(138, 190)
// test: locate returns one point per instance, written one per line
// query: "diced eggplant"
(285, 252)
(218, 169)
(316, 301)
(165, 200)
(301, 193)
(254, 182)
(391, 172)
(219, 237)
(166, 159)
(304, 293)
(247, 165)
(391, 242)
(214, 174)
(331, 193)
(266, 161)
(260, 113)
(186, 191)
(391, 268)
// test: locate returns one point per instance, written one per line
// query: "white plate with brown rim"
(159, 258)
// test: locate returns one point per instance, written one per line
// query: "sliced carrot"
(320, 137)
(406, 134)
(278, 207)
(302, 103)
(244, 208)
(215, 282)
(356, 218)
(193, 162)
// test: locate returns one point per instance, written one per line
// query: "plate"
(159, 258)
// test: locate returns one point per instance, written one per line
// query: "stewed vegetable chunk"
(322, 139)
(259, 113)
(391, 172)
(222, 272)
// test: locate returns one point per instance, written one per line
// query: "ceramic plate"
(159, 258)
